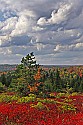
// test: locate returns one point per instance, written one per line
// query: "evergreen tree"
(29, 61)
(3, 79)
(58, 80)
(24, 75)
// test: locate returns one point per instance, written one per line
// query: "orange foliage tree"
(37, 77)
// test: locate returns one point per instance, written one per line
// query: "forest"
(34, 95)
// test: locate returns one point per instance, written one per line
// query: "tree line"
(30, 77)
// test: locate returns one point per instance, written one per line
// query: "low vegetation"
(33, 95)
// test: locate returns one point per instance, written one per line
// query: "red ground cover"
(23, 114)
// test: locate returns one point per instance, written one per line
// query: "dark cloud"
(20, 41)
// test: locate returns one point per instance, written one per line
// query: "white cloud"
(24, 23)
(4, 39)
(8, 25)
(40, 46)
(37, 28)
(20, 27)
(16, 26)
(48, 28)
(72, 47)
(79, 45)
(5, 51)
(57, 16)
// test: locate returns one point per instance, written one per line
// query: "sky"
(52, 29)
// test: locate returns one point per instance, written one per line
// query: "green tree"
(2, 87)
(58, 80)
(30, 67)
(3, 79)
(48, 86)
(29, 61)
(8, 79)
(24, 74)
(81, 87)
(27, 68)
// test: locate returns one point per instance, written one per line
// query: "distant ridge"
(50, 66)
(7, 67)
(10, 67)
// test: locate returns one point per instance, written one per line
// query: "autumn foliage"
(41, 96)
(43, 113)
(37, 77)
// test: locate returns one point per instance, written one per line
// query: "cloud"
(64, 12)
(52, 29)
(72, 47)
(8, 25)
(57, 16)
(5, 51)
(76, 22)
(16, 27)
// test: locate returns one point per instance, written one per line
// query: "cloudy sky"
(52, 29)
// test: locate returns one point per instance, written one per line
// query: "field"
(58, 109)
